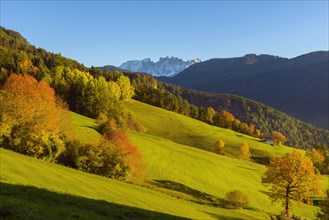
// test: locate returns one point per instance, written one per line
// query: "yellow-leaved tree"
(244, 151)
(219, 147)
(292, 178)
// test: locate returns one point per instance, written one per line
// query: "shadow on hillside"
(222, 217)
(260, 156)
(246, 168)
(262, 160)
(199, 197)
(96, 128)
(28, 202)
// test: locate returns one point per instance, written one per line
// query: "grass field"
(34, 189)
(179, 175)
(191, 132)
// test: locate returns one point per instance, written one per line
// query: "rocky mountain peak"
(166, 66)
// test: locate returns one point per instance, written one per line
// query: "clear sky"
(111, 32)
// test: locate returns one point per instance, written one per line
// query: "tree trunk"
(287, 202)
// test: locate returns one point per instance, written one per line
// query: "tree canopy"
(29, 118)
(292, 178)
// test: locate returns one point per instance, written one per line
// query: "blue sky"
(111, 32)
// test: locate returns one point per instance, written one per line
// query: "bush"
(244, 151)
(134, 124)
(219, 147)
(104, 159)
(237, 199)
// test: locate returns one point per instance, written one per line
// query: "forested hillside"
(297, 86)
(86, 91)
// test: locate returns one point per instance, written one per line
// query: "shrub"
(219, 147)
(134, 124)
(244, 151)
(104, 159)
(237, 199)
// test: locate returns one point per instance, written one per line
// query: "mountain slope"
(186, 174)
(123, 196)
(298, 86)
(18, 56)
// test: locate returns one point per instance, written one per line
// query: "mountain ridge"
(296, 86)
(165, 66)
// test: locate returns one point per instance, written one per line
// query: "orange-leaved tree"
(29, 118)
(127, 151)
(292, 178)
(226, 119)
(278, 137)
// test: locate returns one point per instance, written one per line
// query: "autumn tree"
(317, 158)
(244, 151)
(278, 138)
(29, 118)
(219, 147)
(236, 124)
(237, 199)
(226, 119)
(244, 128)
(292, 178)
(258, 133)
(207, 115)
(127, 151)
(127, 91)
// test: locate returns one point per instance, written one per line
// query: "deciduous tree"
(29, 118)
(278, 137)
(219, 147)
(292, 178)
(226, 119)
(316, 157)
(244, 151)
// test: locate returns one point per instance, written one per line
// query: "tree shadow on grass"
(94, 127)
(28, 202)
(198, 196)
(262, 160)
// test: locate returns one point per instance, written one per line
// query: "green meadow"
(183, 179)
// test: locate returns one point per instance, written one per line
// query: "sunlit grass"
(176, 166)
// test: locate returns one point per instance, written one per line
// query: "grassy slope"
(190, 171)
(22, 170)
(191, 132)
(216, 175)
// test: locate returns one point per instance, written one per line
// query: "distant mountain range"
(297, 86)
(166, 66)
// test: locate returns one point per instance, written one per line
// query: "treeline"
(18, 56)
(84, 92)
(299, 134)
(228, 111)
(153, 92)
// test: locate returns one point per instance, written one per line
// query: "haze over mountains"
(297, 86)
(166, 66)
